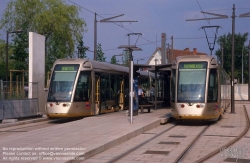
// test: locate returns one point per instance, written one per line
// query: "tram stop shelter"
(162, 74)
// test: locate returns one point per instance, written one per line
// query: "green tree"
(113, 60)
(2, 50)
(239, 47)
(3, 58)
(57, 21)
(20, 52)
(81, 50)
(99, 54)
(126, 58)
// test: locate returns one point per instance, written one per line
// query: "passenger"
(26, 90)
(152, 93)
(140, 94)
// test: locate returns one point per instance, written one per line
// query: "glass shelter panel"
(191, 81)
(62, 82)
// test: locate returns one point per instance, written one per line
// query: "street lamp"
(130, 48)
(141, 59)
(117, 55)
(7, 55)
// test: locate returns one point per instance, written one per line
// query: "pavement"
(85, 140)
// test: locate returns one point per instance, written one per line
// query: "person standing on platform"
(140, 94)
(26, 90)
(152, 93)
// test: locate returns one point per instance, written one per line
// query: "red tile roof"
(186, 51)
(176, 53)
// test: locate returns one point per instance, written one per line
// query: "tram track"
(171, 146)
(138, 146)
(11, 130)
(185, 152)
(157, 144)
(230, 143)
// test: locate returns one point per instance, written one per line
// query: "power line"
(103, 17)
(204, 14)
(202, 10)
(82, 7)
(187, 38)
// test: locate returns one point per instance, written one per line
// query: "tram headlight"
(65, 105)
(181, 106)
(200, 106)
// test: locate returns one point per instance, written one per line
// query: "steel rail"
(184, 153)
(137, 146)
(230, 142)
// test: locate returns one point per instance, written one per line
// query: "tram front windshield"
(191, 82)
(62, 82)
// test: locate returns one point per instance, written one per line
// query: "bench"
(145, 107)
(158, 103)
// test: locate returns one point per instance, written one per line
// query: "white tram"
(80, 87)
(200, 88)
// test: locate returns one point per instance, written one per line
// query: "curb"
(108, 145)
(22, 122)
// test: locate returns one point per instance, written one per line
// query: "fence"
(18, 99)
(241, 91)
(18, 90)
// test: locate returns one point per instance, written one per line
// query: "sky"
(154, 18)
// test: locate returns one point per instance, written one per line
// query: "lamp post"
(139, 59)
(7, 55)
(107, 20)
(117, 55)
(130, 48)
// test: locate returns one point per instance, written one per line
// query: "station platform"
(85, 137)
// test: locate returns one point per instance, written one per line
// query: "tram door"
(121, 96)
(109, 92)
(97, 95)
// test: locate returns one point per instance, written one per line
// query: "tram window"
(62, 81)
(191, 81)
(173, 80)
(83, 87)
(212, 86)
(104, 86)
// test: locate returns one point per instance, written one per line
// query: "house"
(155, 58)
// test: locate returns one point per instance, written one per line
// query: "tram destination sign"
(194, 66)
(68, 68)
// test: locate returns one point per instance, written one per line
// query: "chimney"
(186, 50)
(195, 51)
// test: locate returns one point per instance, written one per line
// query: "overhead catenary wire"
(181, 38)
(149, 42)
(204, 15)
(103, 17)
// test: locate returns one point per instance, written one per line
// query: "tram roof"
(94, 64)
